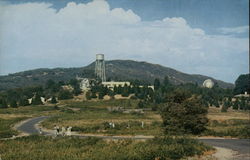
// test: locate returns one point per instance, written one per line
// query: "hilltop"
(115, 70)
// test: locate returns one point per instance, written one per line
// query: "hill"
(115, 70)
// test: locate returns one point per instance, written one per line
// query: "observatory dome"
(208, 83)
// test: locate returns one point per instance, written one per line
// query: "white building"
(111, 84)
(84, 83)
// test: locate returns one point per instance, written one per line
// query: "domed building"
(208, 83)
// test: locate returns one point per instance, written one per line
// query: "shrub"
(65, 94)
(184, 115)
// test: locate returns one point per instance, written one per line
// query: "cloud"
(237, 30)
(34, 35)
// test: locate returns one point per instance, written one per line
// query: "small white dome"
(208, 83)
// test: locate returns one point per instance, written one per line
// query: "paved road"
(242, 146)
(29, 126)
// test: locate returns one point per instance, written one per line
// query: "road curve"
(242, 146)
(29, 125)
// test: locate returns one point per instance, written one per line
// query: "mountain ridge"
(115, 70)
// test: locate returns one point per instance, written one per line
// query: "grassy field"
(10, 116)
(232, 123)
(40, 148)
(93, 117)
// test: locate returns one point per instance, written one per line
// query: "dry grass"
(12, 116)
(216, 114)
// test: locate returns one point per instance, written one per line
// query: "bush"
(53, 100)
(65, 94)
(183, 115)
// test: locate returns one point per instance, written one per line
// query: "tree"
(37, 100)
(3, 103)
(125, 91)
(49, 84)
(140, 104)
(101, 95)
(236, 104)
(13, 104)
(65, 94)
(166, 82)
(23, 102)
(242, 84)
(184, 115)
(157, 84)
(224, 108)
(88, 95)
(53, 100)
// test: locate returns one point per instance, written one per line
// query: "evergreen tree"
(166, 82)
(3, 103)
(53, 100)
(125, 91)
(140, 104)
(23, 102)
(157, 84)
(224, 108)
(65, 94)
(236, 104)
(184, 114)
(242, 84)
(13, 104)
(101, 95)
(88, 95)
(37, 100)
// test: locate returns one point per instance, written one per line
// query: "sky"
(208, 37)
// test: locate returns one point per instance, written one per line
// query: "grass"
(40, 148)
(232, 123)
(10, 116)
(5, 127)
(93, 117)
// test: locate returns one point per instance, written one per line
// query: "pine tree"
(3, 103)
(13, 104)
(37, 100)
(88, 95)
(157, 84)
(53, 100)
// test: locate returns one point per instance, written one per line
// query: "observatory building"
(100, 67)
(208, 83)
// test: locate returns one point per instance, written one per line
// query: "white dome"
(208, 83)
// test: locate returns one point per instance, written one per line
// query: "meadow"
(41, 148)
(93, 117)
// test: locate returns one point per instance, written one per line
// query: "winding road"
(242, 146)
(29, 126)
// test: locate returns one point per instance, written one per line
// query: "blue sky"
(207, 37)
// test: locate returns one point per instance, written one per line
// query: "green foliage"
(65, 94)
(140, 104)
(23, 102)
(234, 128)
(6, 130)
(53, 100)
(184, 114)
(157, 84)
(13, 104)
(3, 103)
(37, 100)
(88, 95)
(224, 108)
(242, 84)
(94, 148)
